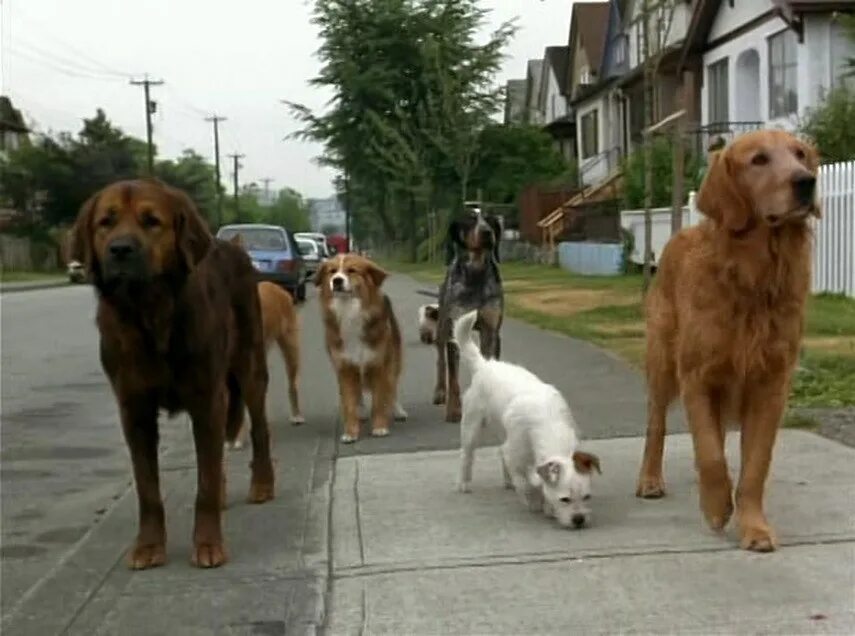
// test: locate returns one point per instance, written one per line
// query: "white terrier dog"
(540, 458)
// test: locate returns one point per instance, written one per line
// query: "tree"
(412, 89)
(289, 211)
(193, 174)
(511, 157)
(63, 171)
(830, 125)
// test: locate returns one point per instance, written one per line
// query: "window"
(717, 93)
(783, 92)
(585, 75)
(590, 134)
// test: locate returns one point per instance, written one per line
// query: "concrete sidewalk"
(413, 556)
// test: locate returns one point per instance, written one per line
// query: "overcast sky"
(63, 58)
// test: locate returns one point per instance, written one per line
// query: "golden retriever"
(281, 325)
(725, 320)
(363, 340)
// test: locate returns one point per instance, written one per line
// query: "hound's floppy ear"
(321, 273)
(376, 273)
(494, 223)
(549, 472)
(719, 197)
(80, 237)
(192, 235)
(455, 234)
(586, 462)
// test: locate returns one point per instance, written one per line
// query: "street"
(371, 537)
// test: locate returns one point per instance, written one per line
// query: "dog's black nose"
(804, 186)
(578, 520)
(337, 284)
(123, 247)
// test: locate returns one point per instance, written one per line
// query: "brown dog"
(180, 326)
(281, 325)
(725, 320)
(363, 340)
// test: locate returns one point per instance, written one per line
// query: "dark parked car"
(274, 253)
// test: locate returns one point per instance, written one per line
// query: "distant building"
(515, 101)
(326, 213)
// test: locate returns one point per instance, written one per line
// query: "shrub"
(830, 125)
(663, 171)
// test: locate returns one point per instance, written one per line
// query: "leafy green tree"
(511, 157)
(193, 174)
(290, 211)
(830, 125)
(661, 152)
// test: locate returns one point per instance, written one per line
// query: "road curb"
(12, 288)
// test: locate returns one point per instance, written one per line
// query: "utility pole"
(150, 108)
(266, 181)
(236, 157)
(347, 210)
(216, 119)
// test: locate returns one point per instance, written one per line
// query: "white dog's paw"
(464, 486)
(347, 439)
(235, 445)
(297, 420)
(400, 413)
(380, 432)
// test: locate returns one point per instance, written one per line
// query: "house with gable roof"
(558, 118)
(765, 62)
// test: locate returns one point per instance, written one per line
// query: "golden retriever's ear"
(376, 273)
(321, 273)
(586, 462)
(80, 244)
(193, 238)
(719, 197)
(812, 161)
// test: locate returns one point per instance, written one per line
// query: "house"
(552, 100)
(515, 101)
(532, 113)
(587, 90)
(13, 129)
(765, 62)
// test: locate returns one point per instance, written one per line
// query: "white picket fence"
(834, 247)
(834, 233)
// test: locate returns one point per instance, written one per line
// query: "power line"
(64, 70)
(150, 107)
(216, 119)
(64, 61)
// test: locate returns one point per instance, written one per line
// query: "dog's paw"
(208, 555)
(348, 439)
(717, 505)
(150, 555)
(235, 445)
(400, 413)
(297, 420)
(464, 486)
(260, 492)
(380, 432)
(439, 396)
(650, 488)
(759, 538)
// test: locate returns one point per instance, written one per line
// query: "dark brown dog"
(180, 327)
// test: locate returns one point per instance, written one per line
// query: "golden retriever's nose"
(123, 247)
(804, 185)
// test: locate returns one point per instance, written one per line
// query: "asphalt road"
(68, 511)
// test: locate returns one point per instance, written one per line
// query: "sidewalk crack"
(358, 516)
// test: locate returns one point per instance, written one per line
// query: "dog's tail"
(469, 351)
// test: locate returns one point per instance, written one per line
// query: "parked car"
(76, 272)
(320, 239)
(311, 252)
(274, 253)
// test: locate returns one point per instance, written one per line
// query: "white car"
(318, 238)
(311, 251)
